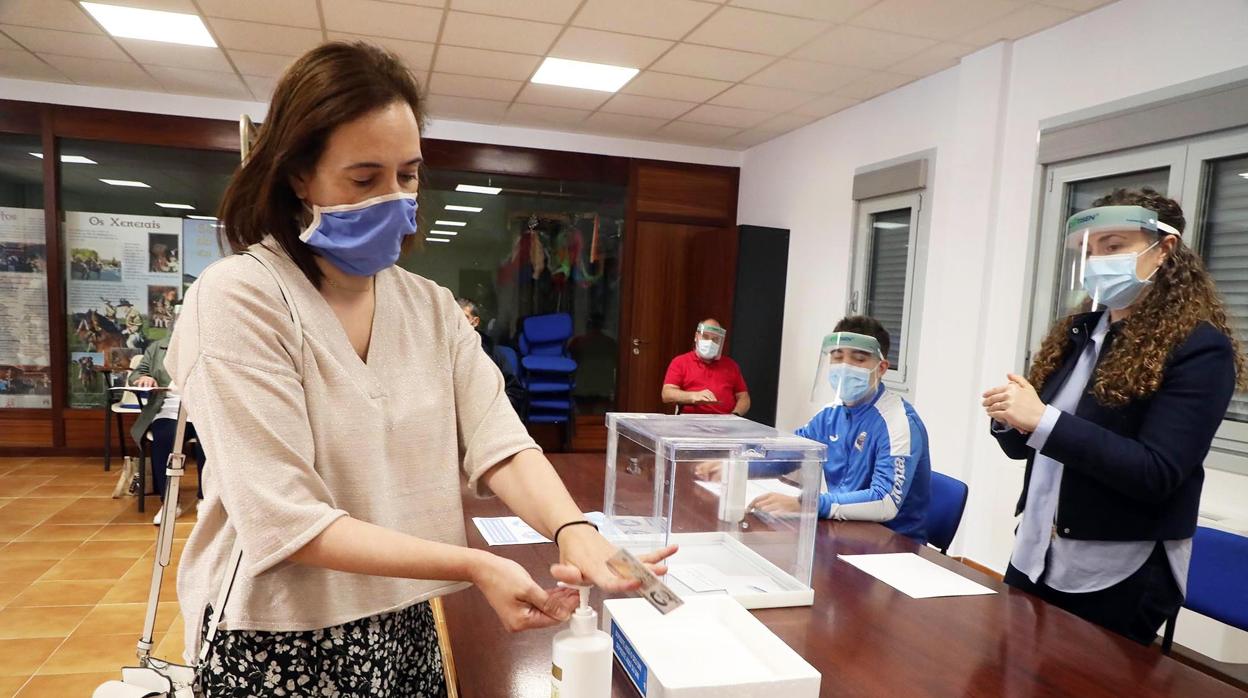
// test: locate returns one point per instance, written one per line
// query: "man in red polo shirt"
(704, 381)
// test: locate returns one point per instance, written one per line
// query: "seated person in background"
(160, 416)
(878, 466)
(704, 381)
(512, 385)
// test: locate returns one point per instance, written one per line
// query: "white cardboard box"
(711, 647)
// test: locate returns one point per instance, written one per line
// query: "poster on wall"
(200, 248)
(25, 371)
(124, 274)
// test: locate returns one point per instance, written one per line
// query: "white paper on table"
(512, 530)
(914, 576)
(754, 488)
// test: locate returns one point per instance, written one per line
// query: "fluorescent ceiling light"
(125, 183)
(453, 224)
(185, 207)
(469, 209)
(889, 225)
(1244, 175)
(152, 25)
(586, 76)
(451, 233)
(75, 159)
(202, 218)
(437, 239)
(474, 189)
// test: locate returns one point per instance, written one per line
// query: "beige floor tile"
(132, 549)
(108, 569)
(10, 685)
(62, 593)
(128, 531)
(23, 570)
(59, 621)
(60, 532)
(10, 590)
(112, 619)
(54, 550)
(136, 590)
(12, 531)
(92, 654)
(34, 510)
(60, 491)
(174, 644)
(17, 485)
(67, 685)
(88, 510)
(23, 657)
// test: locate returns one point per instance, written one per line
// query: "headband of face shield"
(709, 341)
(847, 370)
(1094, 274)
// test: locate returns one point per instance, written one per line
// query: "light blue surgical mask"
(708, 349)
(1112, 281)
(364, 238)
(849, 383)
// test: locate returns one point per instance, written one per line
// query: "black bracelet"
(571, 523)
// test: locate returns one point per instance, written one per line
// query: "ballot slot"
(694, 481)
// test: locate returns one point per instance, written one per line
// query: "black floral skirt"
(391, 654)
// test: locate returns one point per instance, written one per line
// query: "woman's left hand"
(583, 555)
(1016, 403)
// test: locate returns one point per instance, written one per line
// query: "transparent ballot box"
(690, 480)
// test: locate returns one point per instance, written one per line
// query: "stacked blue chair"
(549, 373)
(1217, 580)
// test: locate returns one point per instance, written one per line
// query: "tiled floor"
(75, 568)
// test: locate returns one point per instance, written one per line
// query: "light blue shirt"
(1077, 566)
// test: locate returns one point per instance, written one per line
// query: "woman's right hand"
(145, 382)
(517, 600)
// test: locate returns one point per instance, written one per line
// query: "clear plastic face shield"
(1111, 254)
(708, 341)
(849, 369)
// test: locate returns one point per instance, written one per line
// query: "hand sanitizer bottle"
(581, 662)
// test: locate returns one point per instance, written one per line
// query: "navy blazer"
(1135, 472)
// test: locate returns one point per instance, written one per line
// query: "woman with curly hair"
(1116, 419)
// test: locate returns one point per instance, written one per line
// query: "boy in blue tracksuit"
(878, 467)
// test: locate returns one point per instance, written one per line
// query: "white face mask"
(1112, 280)
(708, 349)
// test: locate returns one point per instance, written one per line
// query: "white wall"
(982, 117)
(214, 108)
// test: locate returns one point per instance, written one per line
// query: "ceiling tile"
(490, 64)
(66, 43)
(668, 86)
(1078, 5)
(806, 75)
(535, 115)
(260, 64)
(253, 36)
(1024, 22)
(416, 54)
(7, 44)
(933, 60)
(824, 106)
(636, 105)
(466, 109)
(933, 18)
(828, 10)
(557, 11)
(291, 13)
(623, 124)
(186, 6)
(261, 86)
(92, 71)
(759, 97)
(753, 137)
(66, 16)
(666, 19)
(200, 82)
(604, 47)
(472, 86)
(386, 19)
(873, 85)
(787, 122)
(480, 31)
(727, 116)
(707, 62)
(701, 134)
(756, 31)
(175, 56)
(863, 48)
(16, 63)
(558, 96)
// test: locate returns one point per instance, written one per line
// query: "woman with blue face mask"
(1115, 421)
(340, 398)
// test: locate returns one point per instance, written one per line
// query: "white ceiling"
(727, 73)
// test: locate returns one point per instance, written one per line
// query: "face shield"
(848, 368)
(1101, 262)
(709, 341)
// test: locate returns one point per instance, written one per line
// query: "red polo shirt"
(721, 376)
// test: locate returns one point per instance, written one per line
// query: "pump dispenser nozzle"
(584, 620)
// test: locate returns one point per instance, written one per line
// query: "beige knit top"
(296, 436)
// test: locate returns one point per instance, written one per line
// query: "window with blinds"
(887, 274)
(1224, 242)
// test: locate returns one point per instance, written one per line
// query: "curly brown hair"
(1183, 295)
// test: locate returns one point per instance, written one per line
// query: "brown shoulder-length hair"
(1182, 296)
(331, 85)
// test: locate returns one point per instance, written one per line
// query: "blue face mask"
(850, 383)
(1112, 281)
(362, 239)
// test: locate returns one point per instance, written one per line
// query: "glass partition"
(25, 370)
